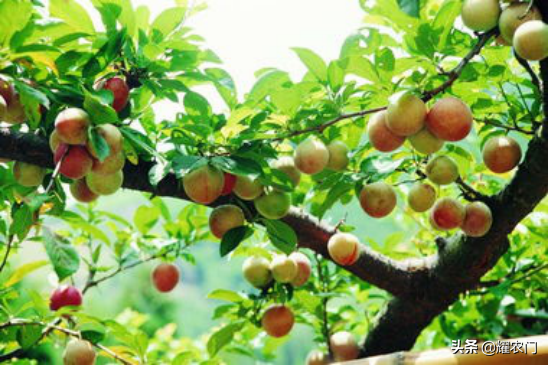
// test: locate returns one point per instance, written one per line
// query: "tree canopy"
(392, 198)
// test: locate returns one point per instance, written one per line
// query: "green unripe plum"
(515, 15)
(501, 154)
(442, 170)
(105, 184)
(247, 189)
(382, 138)
(72, 126)
(405, 114)
(450, 119)
(338, 156)
(447, 214)
(378, 199)
(54, 141)
(27, 174)
(303, 269)
(224, 218)
(531, 40)
(113, 163)
(477, 219)
(286, 165)
(79, 352)
(481, 15)
(344, 248)
(204, 184)
(112, 136)
(344, 346)
(278, 321)
(257, 271)
(311, 156)
(273, 205)
(81, 192)
(421, 197)
(425, 142)
(283, 269)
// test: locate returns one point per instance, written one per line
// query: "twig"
(469, 192)
(534, 78)
(324, 289)
(6, 255)
(507, 127)
(527, 273)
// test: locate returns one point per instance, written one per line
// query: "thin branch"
(525, 64)
(23, 322)
(6, 255)
(514, 128)
(324, 288)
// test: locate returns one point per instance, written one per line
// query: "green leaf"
(227, 295)
(27, 336)
(233, 238)
(23, 219)
(73, 14)
(335, 76)
(169, 20)
(62, 255)
(92, 332)
(224, 84)
(223, 337)
(281, 235)
(99, 144)
(145, 218)
(23, 271)
(197, 106)
(15, 16)
(313, 62)
(410, 7)
(266, 83)
(99, 112)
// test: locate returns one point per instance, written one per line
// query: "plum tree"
(79, 352)
(421, 197)
(531, 40)
(425, 142)
(72, 126)
(405, 114)
(316, 357)
(303, 268)
(120, 91)
(344, 346)
(447, 214)
(311, 156)
(105, 184)
(344, 248)
(378, 199)
(286, 164)
(382, 138)
(81, 192)
(338, 156)
(273, 204)
(442, 170)
(283, 268)
(515, 15)
(113, 137)
(450, 119)
(257, 271)
(110, 165)
(224, 218)
(165, 277)
(76, 162)
(481, 15)
(65, 296)
(27, 174)
(230, 181)
(204, 184)
(247, 188)
(501, 154)
(278, 321)
(477, 220)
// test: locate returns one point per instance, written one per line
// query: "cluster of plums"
(75, 154)
(294, 269)
(519, 22)
(449, 120)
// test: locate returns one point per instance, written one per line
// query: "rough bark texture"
(422, 288)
